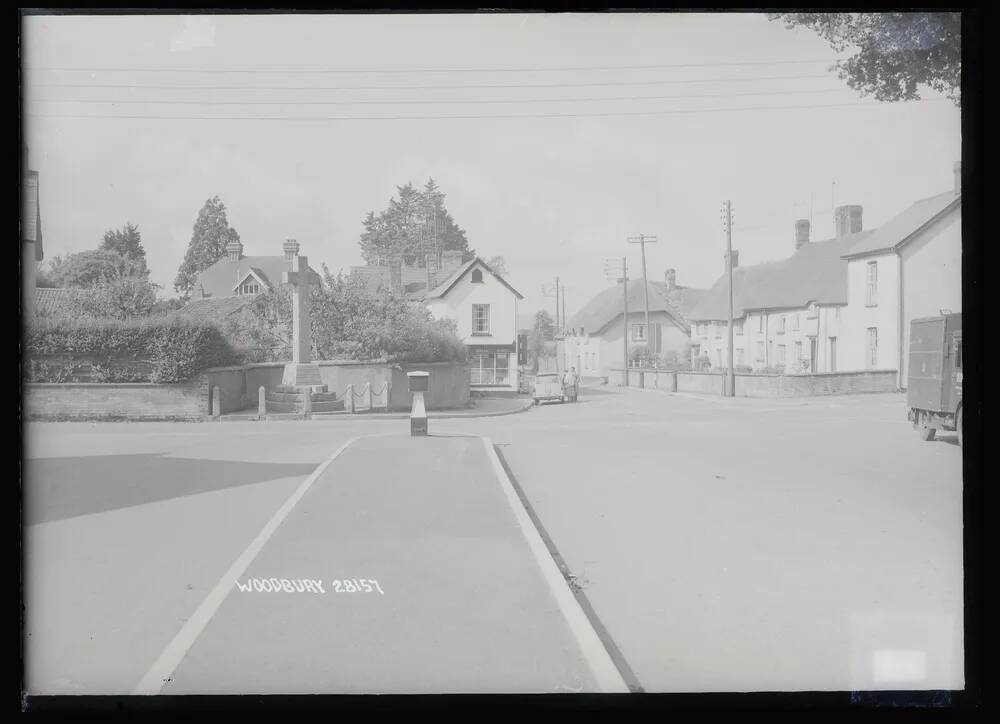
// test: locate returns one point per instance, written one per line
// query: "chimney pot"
(671, 278)
(847, 220)
(801, 233)
(958, 177)
(291, 249)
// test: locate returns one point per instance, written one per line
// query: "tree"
(415, 224)
(124, 298)
(541, 337)
(897, 52)
(208, 243)
(126, 241)
(347, 323)
(498, 265)
(86, 269)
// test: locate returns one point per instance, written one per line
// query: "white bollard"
(216, 402)
(261, 402)
(349, 399)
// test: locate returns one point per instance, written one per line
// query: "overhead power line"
(456, 117)
(314, 71)
(668, 81)
(133, 101)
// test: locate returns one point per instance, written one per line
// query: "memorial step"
(330, 406)
(299, 389)
(283, 407)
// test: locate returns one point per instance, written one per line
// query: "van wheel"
(959, 427)
(925, 430)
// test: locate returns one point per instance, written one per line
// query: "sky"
(591, 128)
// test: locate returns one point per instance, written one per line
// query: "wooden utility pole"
(727, 211)
(625, 322)
(620, 275)
(642, 240)
(564, 306)
(558, 325)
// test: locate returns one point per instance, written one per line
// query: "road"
(725, 545)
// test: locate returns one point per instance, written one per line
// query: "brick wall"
(833, 383)
(448, 386)
(100, 401)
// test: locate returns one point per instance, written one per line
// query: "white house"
(484, 307)
(909, 268)
(592, 341)
(844, 304)
(787, 314)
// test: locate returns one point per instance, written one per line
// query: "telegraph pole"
(625, 321)
(727, 220)
(558, 325)
(564, 306)
(621, 275)
(642, 240)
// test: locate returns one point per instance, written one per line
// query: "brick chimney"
(234, 250)
(801, 233)
(957, 170)
(671, 278)
(291, 249)
(847, 220)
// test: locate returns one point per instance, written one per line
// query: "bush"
(148, 350)
(347, 323)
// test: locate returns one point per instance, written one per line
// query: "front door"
(812, 354)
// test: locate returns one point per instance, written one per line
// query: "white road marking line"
(603, 668)
(161, 670)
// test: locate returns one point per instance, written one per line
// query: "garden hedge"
(156, 349)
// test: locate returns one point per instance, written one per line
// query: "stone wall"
(448, 386)
(238, 386)
(115, 401)
(759, 385)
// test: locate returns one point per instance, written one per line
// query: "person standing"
(571, 383)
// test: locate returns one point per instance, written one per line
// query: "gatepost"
(419, 384)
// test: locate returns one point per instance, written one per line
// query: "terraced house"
(842, 304)
(592, 341)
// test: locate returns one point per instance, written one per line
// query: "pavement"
(481, 407)
(398, 565)
(715, 544)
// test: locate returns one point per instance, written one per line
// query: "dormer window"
(248, 288)
(477, 276)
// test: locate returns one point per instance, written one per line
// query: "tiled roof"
(608, 305)
(444, 287)
(413, 279)
(814, 273)
(213, 309)
(220, 278)
(902, 227)
(58, 302)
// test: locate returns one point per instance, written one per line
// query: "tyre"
(958, 426)
(925, 430)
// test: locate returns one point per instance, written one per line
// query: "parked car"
(548, 387)
(934, 387)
